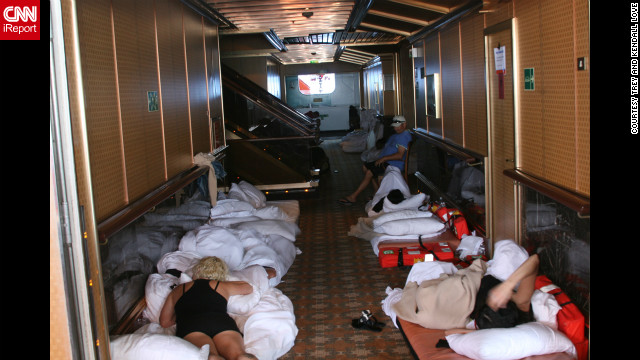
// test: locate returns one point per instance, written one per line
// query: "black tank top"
(199, 299)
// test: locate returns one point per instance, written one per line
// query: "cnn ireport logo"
(20, 21)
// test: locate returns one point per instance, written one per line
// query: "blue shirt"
(391, 147)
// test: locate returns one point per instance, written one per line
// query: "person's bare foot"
(347, 200)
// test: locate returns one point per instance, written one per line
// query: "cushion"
(416, 226)
(513, 343)
(400, 214)
(155, 346)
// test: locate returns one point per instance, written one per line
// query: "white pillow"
(235, 192)
(256, 197)
(231, 207)
(416, 226)
(155, 346)
(283, 228)
(400, 214)
(507, 257)
(272, 213)
(512, 343)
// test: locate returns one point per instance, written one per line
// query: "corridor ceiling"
(304, 31)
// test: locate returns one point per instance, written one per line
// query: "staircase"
(270, 143)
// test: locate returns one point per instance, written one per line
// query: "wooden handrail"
(580, 203)
(463, 154)
(309, 137)
(136, 209)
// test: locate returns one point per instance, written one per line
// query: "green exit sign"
(529, 83)
(313, 61)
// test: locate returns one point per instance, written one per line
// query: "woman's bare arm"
(501, 294)
(168, 314)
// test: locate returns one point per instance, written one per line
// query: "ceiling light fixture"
(307, 14)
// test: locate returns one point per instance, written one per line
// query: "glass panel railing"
(455, 175)
(250, 106)
(272, 143)
(274, 161)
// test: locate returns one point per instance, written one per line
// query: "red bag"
(412, 254)
(570, 319)
(440, 250)
(407, 256)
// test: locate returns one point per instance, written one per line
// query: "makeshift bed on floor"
(548, 338)
(405, 223)
(249, 234)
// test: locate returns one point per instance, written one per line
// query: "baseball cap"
(398, 120)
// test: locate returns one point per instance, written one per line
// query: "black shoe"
(367, 321)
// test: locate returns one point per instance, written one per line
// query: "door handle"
(510, 160)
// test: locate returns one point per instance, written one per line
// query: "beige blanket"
(443, 303)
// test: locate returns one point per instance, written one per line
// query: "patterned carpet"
(337, 276)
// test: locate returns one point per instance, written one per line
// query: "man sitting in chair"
(393, 154)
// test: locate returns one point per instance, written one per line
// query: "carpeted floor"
(337, 276)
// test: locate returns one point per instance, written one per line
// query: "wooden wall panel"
(137, 74)
(451, 84)
(473, 84)
(173, 86)
(500, 13)
(124, 55)
(554, 119)
(432, 66)
(196, 71)
(101, 106)
(531, 133)
(559, 92)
